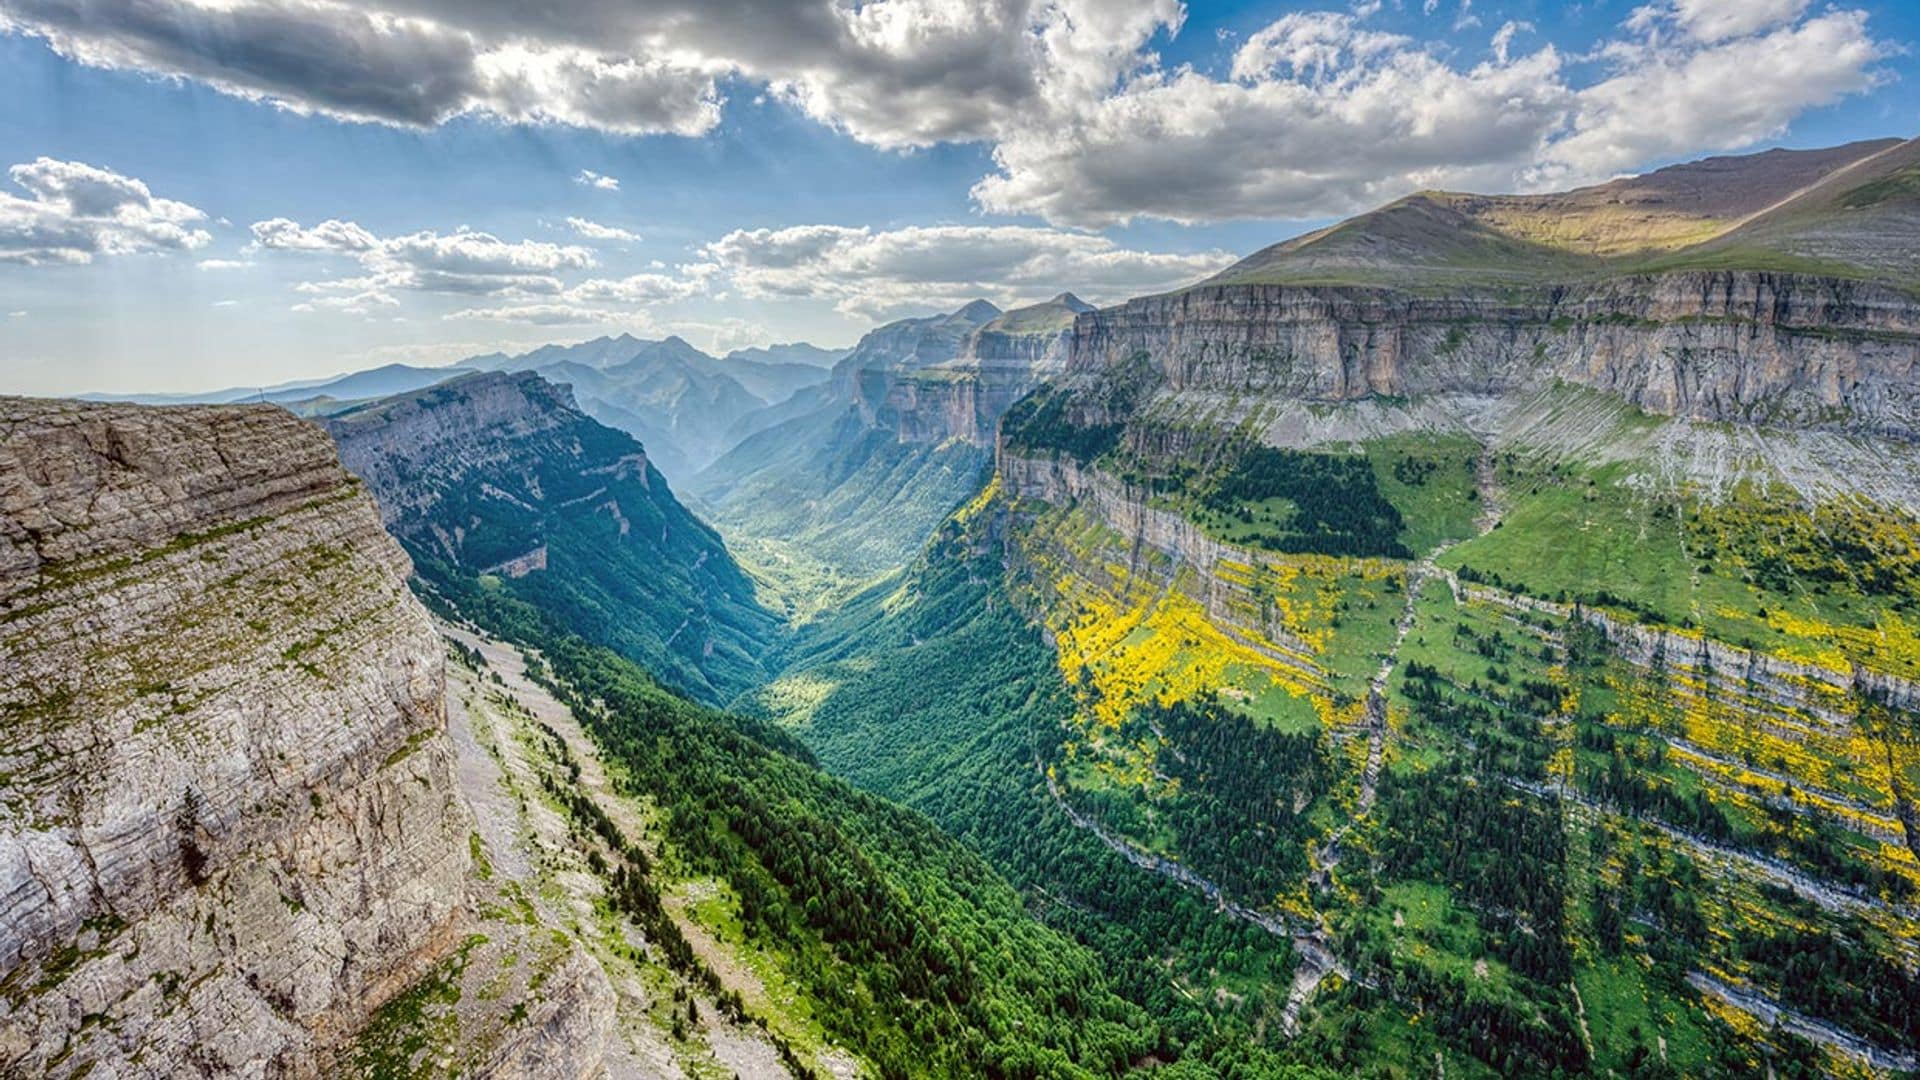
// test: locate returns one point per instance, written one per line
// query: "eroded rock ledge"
(1720, 346)
(229, 828)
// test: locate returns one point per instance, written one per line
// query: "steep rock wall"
(1733, 346)
(439, 435)
(229, 827)
(965, 396)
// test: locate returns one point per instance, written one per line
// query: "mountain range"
(848, 477)
(1477, 638)
(688, 407)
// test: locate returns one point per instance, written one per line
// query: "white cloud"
(555, 314)
(1503, 37)
(1320, 114)
(1324, 116)
(226, 303)
(469, 252)
(74, 212)
(876, 273)
(642, 288)
(223, 264)
(464, 262)
(16, 314)
(607, 92)
(1664, 100)
(1718, 20)
(355, 296)
(1313, 46)
(593, 230)
(285, 234)
(889, 72)
(374, 62)
(599, 300)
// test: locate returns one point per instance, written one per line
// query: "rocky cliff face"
(229, 828)
(1732, 346)
(963, 397)
(411, 448)
(500, 473)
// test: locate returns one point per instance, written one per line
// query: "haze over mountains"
(1478, 638)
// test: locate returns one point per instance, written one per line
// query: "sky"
(211, 193)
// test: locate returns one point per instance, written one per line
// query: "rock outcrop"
(229, 827)
(411, 448)
(1720, 346)
(501, 473)
(964, 396)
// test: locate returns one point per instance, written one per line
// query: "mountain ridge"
(688, 407)
(1695, 215)
(501, 474)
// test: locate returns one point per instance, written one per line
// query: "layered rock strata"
(1721, 346)
(229, 827)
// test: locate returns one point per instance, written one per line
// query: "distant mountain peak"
(788, 352)
(978, 311)
(1071, 303)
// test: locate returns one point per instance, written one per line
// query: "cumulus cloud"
(1718, 20)
(285, 234)
(877, 273)
(465, 262)
(478, 253)
(1663, 100)
(593, 230)
(371, 62)
(599, 300)
(73, 212)
(862, 272)
(647, 288)
(1323, 115)
(1312, 45)
(891, 72)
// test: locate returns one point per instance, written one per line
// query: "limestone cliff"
(995, 365)
(229, 827)
(1719, 346)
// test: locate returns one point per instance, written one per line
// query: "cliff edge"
(229, 824)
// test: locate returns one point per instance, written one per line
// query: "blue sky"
(263, 190)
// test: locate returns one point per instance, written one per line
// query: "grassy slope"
(910, 949)
(1496, 696)
(1845, 212)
